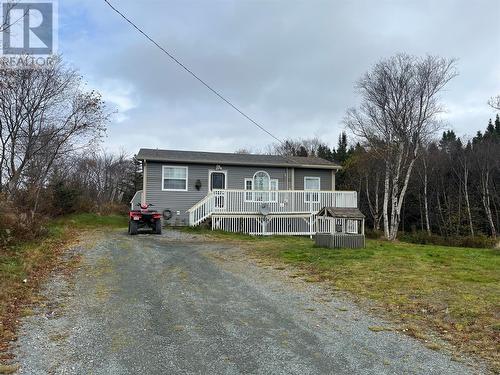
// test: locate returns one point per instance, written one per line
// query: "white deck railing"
(137, 198)
(247, 202)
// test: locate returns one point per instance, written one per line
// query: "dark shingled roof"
(341, 213)
(234, 159)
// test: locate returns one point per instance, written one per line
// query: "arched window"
(261, 181)
(261, 188)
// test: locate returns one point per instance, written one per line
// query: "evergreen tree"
(342, 152)
(325, 152)
(490, 130)
(448, 142)
(478, 138)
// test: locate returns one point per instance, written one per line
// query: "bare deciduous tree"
(487, 156)
(461, 168)
(44, 115)
(423, 173)
(494, 102)
(398, 112)
(8, 23)
(296, 147)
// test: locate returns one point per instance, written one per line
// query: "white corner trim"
(144, 181)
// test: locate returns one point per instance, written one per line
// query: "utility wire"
(227, 101)
(7, 8)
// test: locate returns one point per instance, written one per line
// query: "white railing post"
(279, 202)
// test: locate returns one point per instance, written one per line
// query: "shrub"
(86, 204)
(374, 234)
(479, 241)
(17, 226)
(114, 208)
(65, 199)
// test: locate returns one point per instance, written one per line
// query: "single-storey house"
(258, 194)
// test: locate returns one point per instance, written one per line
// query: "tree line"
(407, 180)
(454, 190)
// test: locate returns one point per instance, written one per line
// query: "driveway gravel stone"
(178, 304)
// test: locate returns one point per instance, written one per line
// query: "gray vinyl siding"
(180, 201)
(176, 201)
(324, 174)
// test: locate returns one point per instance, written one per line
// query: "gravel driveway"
(175, 304)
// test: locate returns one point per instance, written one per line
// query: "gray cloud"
(290, 64)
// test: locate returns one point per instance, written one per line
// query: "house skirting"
(290, 225)
(340, 240)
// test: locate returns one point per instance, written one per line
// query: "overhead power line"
(178, 62)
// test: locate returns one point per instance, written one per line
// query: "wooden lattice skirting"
(331, 240)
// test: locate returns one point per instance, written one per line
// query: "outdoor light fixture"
(197, 184)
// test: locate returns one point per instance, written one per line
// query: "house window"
(261, 181)
(248, 186)
(312, 183)
(258, 188)
(261, 185)
(273, 196)
(174, 178)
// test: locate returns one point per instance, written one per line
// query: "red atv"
(144, 218)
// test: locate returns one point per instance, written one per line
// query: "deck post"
(311, 226)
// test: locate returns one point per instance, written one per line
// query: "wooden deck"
(286, 211)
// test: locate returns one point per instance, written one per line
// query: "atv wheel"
(157, 228)
(132, 227)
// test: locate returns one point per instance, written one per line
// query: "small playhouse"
(340, 228)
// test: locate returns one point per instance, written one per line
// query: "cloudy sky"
(289, 64)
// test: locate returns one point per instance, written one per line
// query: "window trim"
(315, 178)
(268, 177)
(252, 191)
(277, 184)
(273, 193)
(210, 171)
(245, 183)
(163, 177)
(309, 193)
(248, 190)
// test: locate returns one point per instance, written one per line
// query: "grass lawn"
(33, 261)
(454, 292)
(91, 221)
